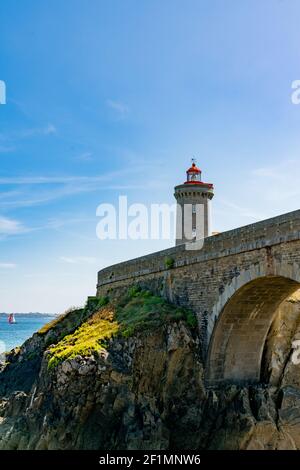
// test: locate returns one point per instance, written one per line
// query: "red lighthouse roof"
(193, 176)
(194, 169)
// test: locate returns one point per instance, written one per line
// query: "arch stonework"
(241, 318)
(239, 336)
(282, 269)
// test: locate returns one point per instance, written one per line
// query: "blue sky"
(109, 98)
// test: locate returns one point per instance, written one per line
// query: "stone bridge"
(235, 285)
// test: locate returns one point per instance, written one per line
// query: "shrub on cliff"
(138, 311)
(169, 263)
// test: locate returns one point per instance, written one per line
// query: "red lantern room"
(193, 174)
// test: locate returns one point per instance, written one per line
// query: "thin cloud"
(7, 265)
(228, 207)
(267, 192)
(38, 190)
(50, 129)
(278, 170)
(58, 223)
(60, 179)
(11, 226)
(78, 259)
(85, 157)
(285, 174)
(46, 130)
(120, 109)
(8, 140)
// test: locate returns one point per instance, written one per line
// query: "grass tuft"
(90, 337)
(169, 262)
(56, 321)
(138, 311)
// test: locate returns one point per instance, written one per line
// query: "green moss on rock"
(138, 311)
(53, 323)
(169, 262)
(90, 337)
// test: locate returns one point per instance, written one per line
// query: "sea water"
(12, 335)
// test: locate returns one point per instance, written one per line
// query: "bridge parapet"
(208, 280)
(270, 232)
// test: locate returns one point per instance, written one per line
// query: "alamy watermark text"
(157, 222)
(2, 92)
(295, 96)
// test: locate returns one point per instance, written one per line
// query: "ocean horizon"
(13, 335)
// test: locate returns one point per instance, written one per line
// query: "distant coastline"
(47, 314)
(25, 325)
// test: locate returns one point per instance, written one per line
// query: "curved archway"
(240, 332)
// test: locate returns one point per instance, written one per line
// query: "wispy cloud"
(278, 169)
(85, 157)
(120, 109)
(37, 190)
(7, 265)
(63, 179)
(67, 219)
(280, 181)
(78, 259)
(49, 129)
(45, 130)
(228, 207)
(11, 226)
(262, 193)
(9, 140)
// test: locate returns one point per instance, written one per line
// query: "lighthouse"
(193, 207)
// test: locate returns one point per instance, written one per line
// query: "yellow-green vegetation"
(91, 336)
(92, 304)
(142, 310)
(169, 262)
(138, 310)
(53, 323)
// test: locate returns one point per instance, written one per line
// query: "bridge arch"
(242, 324)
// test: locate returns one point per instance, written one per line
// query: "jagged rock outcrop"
(140, 393)
(146, 390)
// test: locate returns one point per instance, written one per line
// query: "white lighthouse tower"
(193, 207)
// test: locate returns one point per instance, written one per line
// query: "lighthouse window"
(194, 208)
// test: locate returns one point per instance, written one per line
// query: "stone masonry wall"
(205, 280)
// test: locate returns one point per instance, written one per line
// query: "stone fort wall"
(205, 279)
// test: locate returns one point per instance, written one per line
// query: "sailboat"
(11, 318)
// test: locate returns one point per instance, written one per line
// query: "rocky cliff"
(129, 374)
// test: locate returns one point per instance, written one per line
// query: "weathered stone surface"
(102, 402)
(234, 284)
(148, 392)
(233, 385)
(280, 344)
